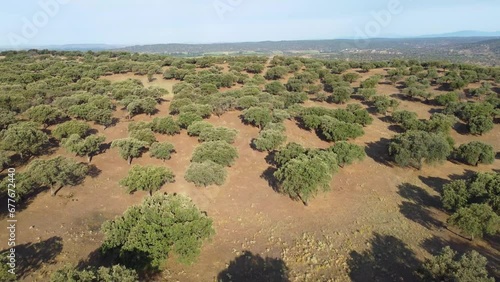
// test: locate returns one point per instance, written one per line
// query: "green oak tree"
(88, 146)
(206, 173)
(163, 225)
(56, 173)
(147, 178)
(129, 148)
(269, 140)
(162, 151)
(217, 151)
(24, 138)
(476, 152)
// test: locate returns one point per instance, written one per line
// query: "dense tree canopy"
(88, 146)
(163, 225)
(206, 173)
(56, 173)
(257, 116)
(219, 152)
(129, 148)
(7, 118)
(145, 135)
(476, 220)
(69, 128)
(147, 178)
(306, 175)
(448, 266)
(288, 152)
(269, 140)
(415, 147)
(218, 134)
(475, 203)
(197, 127)
(161, 150)
(24, 138)
(45, 114)
(347, 153)
(476, 152)
(101, 274)
(166, 125)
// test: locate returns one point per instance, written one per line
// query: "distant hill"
(459, 49)
(464, 33)
(455, 47)
(320, 46)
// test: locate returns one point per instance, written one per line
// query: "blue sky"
(127, 22)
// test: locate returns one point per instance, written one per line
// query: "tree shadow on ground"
(401, 96)
(250, 267)
(94, 171)
(387, 259)
(435, 183)
(466, 175)
(386, 119)
(371, 108)
(48, 149)
(104, 147)
(300, 124)
(396, 128)
(270, 158)
(378, 151)
(420, 215)
(26, 200)
(435, 111)
(418, 195)
(98, 258)
(417, 207)
(461, 128)
(32, 256)
(268, 175)
(434, 245)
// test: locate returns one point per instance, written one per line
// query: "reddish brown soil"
(248, 215)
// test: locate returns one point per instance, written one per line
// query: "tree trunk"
(89, 158)
(129, 160)
(304, 202)
(150, 192)
(52, 191)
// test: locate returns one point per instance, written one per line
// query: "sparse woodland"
(57, 109)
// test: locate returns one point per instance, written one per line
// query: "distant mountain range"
(464, 33)
(145, 48)
(462, 46)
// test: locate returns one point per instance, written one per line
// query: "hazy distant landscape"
(457, 48)
(485, 50)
